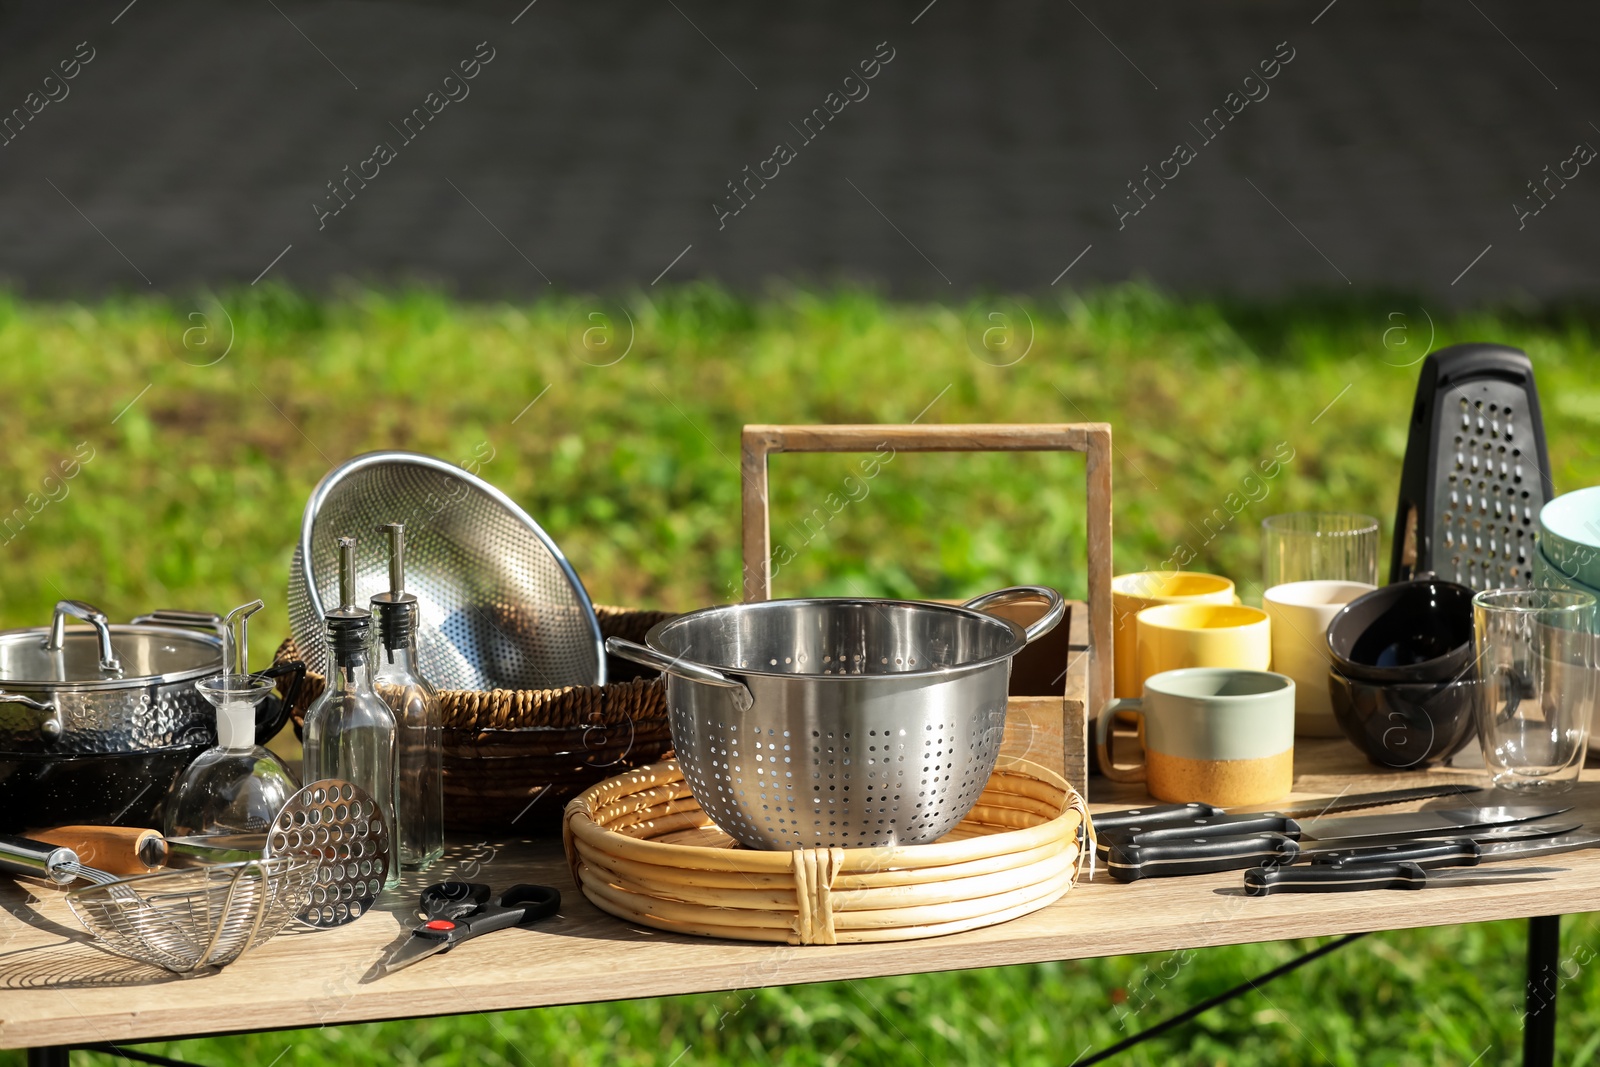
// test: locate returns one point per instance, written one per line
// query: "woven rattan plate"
(641, 849)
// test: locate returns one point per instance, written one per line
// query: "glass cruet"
(419, 746)
(349, 731)
(236, 788)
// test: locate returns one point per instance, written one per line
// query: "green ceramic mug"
(1217, 735)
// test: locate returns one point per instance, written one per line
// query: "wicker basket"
(512, 758)
(641, 849)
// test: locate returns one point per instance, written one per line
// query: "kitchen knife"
(1162, 853)
(1414, 823)
(1457, 851)
(1130, 861)
(1134, 819)
(1357, 877)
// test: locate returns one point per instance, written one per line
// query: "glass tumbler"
(1536, 659)
(1319, 546)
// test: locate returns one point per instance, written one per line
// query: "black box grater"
(1476, 471)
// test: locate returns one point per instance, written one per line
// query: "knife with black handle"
(1180, 814)
(1359, 877)
(1209, 827)
(1153, 816)
(1445, 852)
(1326, 878)
(1128, 861)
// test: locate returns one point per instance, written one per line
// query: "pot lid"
(147, 655)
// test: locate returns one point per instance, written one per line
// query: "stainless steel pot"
(839, 722)
(108, 689)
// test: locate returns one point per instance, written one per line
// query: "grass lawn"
(620, 434)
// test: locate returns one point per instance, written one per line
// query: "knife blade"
(1522, 831)
(1182, 814)
(1458, 851)
(1230, 844)
(1358, 877)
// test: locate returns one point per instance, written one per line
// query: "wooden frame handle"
(1093, 439)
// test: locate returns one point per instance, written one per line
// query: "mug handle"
(1133, 706)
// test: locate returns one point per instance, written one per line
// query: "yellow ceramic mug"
(1172, 637)
(1132, 593)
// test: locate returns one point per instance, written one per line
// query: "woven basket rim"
(936, 853)
(1013, 858)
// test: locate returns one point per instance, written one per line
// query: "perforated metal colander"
(500, 606)
(839, 722)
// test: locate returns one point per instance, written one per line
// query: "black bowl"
(1405, 724)
(1419, 631)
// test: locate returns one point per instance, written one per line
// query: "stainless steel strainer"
(500, 606)
(839, 722)
(181, 920)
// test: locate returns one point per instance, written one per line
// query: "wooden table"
(56, 989)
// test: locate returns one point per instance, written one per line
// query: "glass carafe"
(234, 790)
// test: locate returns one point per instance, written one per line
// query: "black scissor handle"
(453, 900)
(536, 901)
(517, 906)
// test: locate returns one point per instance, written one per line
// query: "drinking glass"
(1536, 659)
(1319, 546)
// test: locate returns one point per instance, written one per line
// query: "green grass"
(193, 495)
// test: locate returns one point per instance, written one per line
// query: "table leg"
(50, 1056)
(1539, 1010)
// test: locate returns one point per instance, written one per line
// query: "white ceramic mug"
(1300, 613)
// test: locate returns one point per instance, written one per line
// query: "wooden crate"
(1051, 730)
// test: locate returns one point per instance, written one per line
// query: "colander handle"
(693, 672)
(1057, 606)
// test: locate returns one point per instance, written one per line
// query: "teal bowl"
(1569, 536)
(1548, 575)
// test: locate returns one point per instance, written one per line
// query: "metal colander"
(839, 722)
(188, 920)
(500, 607)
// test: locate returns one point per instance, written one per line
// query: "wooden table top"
(57, 988)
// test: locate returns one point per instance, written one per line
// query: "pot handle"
(278, 710)
(50, 726)
(693, 672)
(91, 615)
(195, 620)
(1057, 606)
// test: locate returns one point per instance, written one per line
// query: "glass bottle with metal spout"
(349, 731)
(419, 752)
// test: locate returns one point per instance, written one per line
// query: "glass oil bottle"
(349, 731)
(419, 733)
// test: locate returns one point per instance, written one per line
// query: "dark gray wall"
(988, 154)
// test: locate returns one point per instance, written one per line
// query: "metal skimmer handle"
(35, 859)
(692, 672)
(1056, 606)
(91, 615)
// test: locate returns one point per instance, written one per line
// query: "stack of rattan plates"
(641, 849)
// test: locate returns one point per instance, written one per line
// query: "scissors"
(453, 912)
